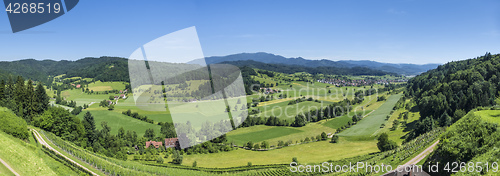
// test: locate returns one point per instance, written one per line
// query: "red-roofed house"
(154, 143)
(172, 143)
(78, 86)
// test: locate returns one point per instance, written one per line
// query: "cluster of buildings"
(359, 82)
(269, 90)
(169, 143)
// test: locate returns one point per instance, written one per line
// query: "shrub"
(335, 139)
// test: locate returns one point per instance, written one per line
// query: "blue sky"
(402, 31)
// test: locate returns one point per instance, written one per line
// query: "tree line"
(445, 94)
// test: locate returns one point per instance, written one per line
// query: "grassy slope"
(370, 124)
(492, 116)
(5, 171)
(28, 159)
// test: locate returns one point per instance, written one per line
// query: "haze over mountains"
(404, 69)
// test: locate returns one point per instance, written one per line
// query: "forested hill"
(116, 69)
(268, 58)
(103, 68)
(289, 69)
(445, 94)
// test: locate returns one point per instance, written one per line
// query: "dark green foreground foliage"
(445, 94)
(469, 139)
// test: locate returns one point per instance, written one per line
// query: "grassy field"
(492, 116)
(106, 86)
(261, 135)
(28, 159)
(273, 134)
(314, 152)
(84, 98)
(338, 122)
(5, 171)
(370, 124)
(116, 120)
(397, 135)
(284, 111)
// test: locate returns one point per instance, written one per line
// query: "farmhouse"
(123, 96)
(153, 143)
(172, 143)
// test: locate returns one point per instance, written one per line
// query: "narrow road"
(8, 167)
(422, 155)
(42, 141)
(417, 158)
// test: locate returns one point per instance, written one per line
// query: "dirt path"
(8, 167)
(42, 141)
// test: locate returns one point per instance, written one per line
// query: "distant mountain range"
(403, 69)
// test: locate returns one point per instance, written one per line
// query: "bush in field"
(384, 144)
(335, 139)
(177, 158)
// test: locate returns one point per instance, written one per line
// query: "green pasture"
(116, 120)
(492, 116)
(313, 152)
(370, 124)
(106, 86)
(28, 159)
(273, 134)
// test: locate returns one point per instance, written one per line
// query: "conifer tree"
(41, 98)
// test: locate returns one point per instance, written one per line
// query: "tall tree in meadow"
(41, 98)
(89, 124)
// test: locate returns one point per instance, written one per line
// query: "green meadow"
(106, 86)
(370, 124)
(116, 120)
(28, 158)
(492, 116)
(314, 152)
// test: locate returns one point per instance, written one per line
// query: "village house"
(153, 143)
